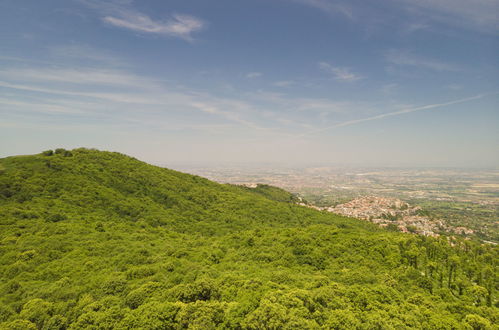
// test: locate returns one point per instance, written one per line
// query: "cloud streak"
(180, 26)
(339, 73)
(119, 92)
(476, 14)
(400, 112)
(330, 7)
(252, 75)
(88, 76)
(284, 83)
(86, 54)
(119, 13)
(403, 58)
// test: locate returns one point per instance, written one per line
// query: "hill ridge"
(100, 240)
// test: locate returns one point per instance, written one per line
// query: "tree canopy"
(100, 240)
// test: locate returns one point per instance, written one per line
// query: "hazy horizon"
(386, 84)
(311, 165)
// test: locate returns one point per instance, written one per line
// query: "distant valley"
(456, 201)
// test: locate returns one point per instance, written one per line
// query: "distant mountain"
(100, 240)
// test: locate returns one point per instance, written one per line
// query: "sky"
(368, 83)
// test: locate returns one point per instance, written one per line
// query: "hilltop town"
(387, 211)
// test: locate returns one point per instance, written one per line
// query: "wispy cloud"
(87, 76)
(389, 88)
(329, 7)
(181, 26)
(340, 73)
(404, 58)
(284, 83)
(120, 13)
(92, 93)
(454, 87)
(231, 116)
(252, 75)
(86, 54)
(135, 98)
(414, 27)
(309, 105)
(476, 14)
(22, 60)
(40, 107)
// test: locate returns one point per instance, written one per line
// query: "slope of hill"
(99, 240)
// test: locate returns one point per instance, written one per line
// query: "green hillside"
(99, 240)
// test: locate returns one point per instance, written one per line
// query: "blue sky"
(389, 82)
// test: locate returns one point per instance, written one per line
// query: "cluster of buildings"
(374, 208)
(386, 211)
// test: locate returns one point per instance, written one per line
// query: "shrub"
(135, 298)
(140, 272)
(19, 325)
(27, 255)
(63, 152)
(477, 322)
(153, 316)
(55, 217)
(5, 313)
(342, 319)
(114, 286)
(37, 311)
(138, 296)
(199, 290)
(56, 322)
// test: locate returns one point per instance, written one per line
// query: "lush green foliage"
(274, 193)
(98, 240)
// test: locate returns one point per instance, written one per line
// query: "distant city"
(457, 201)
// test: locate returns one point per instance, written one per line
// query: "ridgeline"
(100, 240)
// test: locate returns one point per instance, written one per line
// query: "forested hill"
(99, 240)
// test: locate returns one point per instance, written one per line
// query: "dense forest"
(100, 240)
